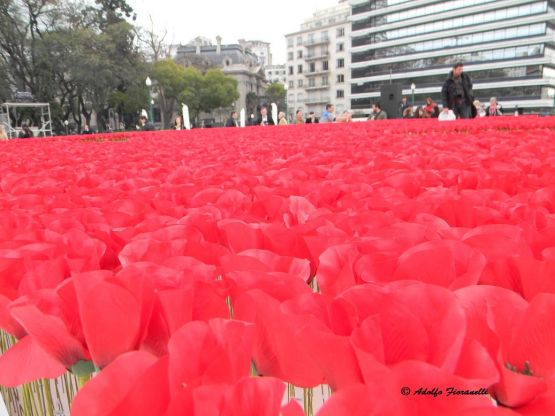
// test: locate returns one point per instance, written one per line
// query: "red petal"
(149, 395)
(51, 333)
(336, 273)
(104, 392)
(7, 322)
(110, 317)
(445, 263)
(255, 397)
(292, 409)
(27, 361)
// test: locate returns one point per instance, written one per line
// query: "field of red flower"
(409, 266)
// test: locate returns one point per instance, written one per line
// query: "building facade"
(507, 46)
(276, 73)
(260, 48)
(234, 60)
(318, 61)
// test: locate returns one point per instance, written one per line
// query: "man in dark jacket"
(457, 93)
(265, 118)
(312, 119)
(232, 120)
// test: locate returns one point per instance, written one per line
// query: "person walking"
(457, 93)
(232, 120)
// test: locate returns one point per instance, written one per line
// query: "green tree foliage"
(220, 90)
(75, 55)
(175, 84)
(169, 83)
(276, 94)
(192, 93)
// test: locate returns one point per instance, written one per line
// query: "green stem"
(82, 380)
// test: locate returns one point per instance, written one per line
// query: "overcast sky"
(232, 20)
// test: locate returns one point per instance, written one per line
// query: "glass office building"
(507, 46)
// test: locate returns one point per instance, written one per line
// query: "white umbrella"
(243, 117)
(275, 112)
(186, 119)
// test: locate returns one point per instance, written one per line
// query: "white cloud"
(232, 20)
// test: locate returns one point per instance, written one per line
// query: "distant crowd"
(457, 95)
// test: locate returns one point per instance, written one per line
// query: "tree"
(276, 94)
(220, 90)
(73, 55)
(252, 103)
(192, 92)
(169, 86)
(208, 92)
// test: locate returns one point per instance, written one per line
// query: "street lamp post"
(66, 123)
(148, 83)
(412, 88)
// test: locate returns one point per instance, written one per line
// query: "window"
(289, 42)
(299, 40)
(340, 47)
(325, 66)
(291, 84)
(299, 69)
(300, 83)
(312, 67)
(291, 70)
(324, 35)
(325, 81)
(311, 82)
(340, 94)
(340, 79)
(290, 56)
(341, 63)
(340, 32)
(300, 54)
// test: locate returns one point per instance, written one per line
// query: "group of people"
(430, 110)
(457, 95)
(25, 133)
(266, 119)
(458, 98)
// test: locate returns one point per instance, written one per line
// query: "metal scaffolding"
(10, 109)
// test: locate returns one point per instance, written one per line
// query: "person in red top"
(431, 108)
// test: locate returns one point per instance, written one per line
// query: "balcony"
(317, 87)
(309, 58)
(316, 73)
(317, 100)
(319, 41)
